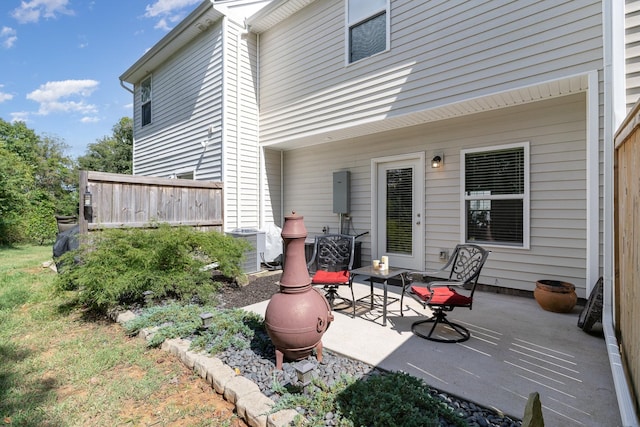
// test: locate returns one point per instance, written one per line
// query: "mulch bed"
(261, 287)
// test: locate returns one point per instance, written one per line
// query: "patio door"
(398, 204)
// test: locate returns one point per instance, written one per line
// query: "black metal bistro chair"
(331, 264)
(442, 296)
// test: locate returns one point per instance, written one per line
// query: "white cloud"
(88, 119)
(21, 116)
(162, 25)
(8, 37)
(32, 11)
(53, 96)
(168, 11)
(167, 7)
(4, 96)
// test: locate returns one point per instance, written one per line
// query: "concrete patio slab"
(515, 348)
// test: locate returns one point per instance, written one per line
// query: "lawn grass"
(61, 366)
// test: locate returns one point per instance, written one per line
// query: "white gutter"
(614, 100)
(126, 88)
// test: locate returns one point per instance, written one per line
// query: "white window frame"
(347, 42)
(185, 173)
(525, 197)
(150, 101)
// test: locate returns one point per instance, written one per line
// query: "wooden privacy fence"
(110, 200)
(627, 248)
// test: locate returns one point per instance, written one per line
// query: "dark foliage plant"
(394, 398)
(115, 267)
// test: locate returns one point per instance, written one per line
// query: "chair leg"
(353, 299)
(440, 318)
(331, 294)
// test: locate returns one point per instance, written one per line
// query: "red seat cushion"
(441, 296)
(330, 277)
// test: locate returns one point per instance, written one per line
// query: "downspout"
(262, 160)
(613, 46)
(281, 187)
(126, 88)
(223, 115)
(239, 126)
(133, 148)
(238, 133)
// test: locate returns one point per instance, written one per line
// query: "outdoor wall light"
(207, 319)
(88, 204)
(304, 372)
(437, 161)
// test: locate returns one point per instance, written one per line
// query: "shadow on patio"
(515, 348)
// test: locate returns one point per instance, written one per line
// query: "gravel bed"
(258, 365)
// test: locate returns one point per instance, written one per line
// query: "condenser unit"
(253, 256)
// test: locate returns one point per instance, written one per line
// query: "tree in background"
(38, 182)
(111, 153)
(15, 181)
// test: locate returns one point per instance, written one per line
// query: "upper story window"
(368, 28)
(145, 101)
(496, 195)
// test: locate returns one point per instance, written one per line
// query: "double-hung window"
(367, 27)
(496, 195)
(145, 101)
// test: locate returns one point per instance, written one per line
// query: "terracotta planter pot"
(555, 295)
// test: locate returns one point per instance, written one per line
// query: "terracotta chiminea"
(297, 316)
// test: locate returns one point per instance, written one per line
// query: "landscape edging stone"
(251, 404)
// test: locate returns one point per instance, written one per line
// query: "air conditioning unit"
(253, 256)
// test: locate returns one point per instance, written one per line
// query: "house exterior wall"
(555, 130)
(187, 95)
(272, 187)
(206, 93)
(240, 129)
(632, 51)
(441, 52)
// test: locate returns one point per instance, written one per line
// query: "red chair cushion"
(441, 296)
(330, 277)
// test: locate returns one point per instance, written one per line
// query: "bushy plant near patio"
(379, 400)
(384, 399)
(229, 328)
(116, 266)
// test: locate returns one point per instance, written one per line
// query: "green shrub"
(394, 398)
(41, 223)
(379, 400)
(229, 328)
(116, 266)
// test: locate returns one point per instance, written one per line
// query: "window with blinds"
(145, 99)
(367, 29)
(496, 194)
(399, 210)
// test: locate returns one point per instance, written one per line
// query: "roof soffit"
(522, 95)
(189, 28)
(275, 12)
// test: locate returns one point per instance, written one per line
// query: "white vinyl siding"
(241, 151)
(556, 132)
(442, 52)
(272, 188)
(205, 119)
(632, 51)
(187, 100)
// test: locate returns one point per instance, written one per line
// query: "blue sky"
(60, 61)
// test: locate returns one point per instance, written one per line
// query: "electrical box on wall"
(341, 192)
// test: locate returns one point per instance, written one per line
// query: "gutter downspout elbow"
(126, 88)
